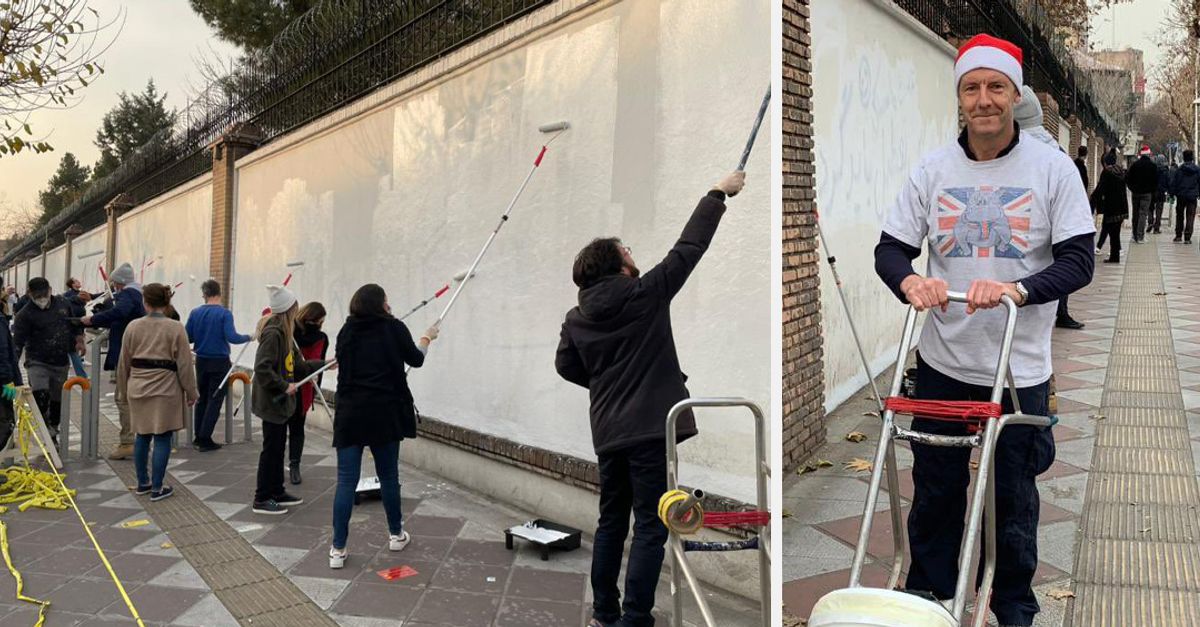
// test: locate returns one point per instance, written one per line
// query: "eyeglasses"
(628, 249)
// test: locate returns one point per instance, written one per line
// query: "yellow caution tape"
(42, 605)
(133, 524)
(25, 426)
(680, 522)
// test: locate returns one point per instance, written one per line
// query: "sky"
(1136, 23)
(160, 39)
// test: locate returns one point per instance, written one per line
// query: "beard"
(632, 270)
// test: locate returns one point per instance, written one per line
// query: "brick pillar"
(803, 367)
(71, 233)
(114, 209)
(1050, 117)
(235, 143)
(1076, 136)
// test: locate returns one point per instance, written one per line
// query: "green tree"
(251, 24)
(47, 54)
(128, 126)
(64, 187)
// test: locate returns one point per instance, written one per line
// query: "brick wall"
(1050, 117)
(237, 142)
(803, 367)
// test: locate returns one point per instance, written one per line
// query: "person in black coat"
(127, 307)
(1142, 181)
(1185, 186)
(10, 378)
(618, 344)
(1110, 201)
(1160, 194)
(374, 409)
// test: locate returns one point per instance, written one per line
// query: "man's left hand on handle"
(986, 294)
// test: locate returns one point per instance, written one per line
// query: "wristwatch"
(1024, 293)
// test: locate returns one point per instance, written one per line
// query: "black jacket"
(276, 365)
(374, 404)
(1164, 183)
(9, 371)
(78, 308)
(127, 307)
(619, 345)
(1142, 177)
(1186, 182)
(47, 335)
(1081, 165)
(1109, 198)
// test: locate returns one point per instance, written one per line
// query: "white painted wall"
(22, 278)
(167, 241)
(56, 269)
(86, 264)
(661, 95)
(1064, 136)
(883, 95)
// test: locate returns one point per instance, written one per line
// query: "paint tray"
(545, 535)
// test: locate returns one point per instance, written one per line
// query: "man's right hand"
(925, 293)
(732, 183)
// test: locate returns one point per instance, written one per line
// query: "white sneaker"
(337, 559)
(397, 543)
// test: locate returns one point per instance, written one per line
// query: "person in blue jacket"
(210, 329)
(127, 306)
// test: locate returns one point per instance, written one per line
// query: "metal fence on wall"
(338, 52)
(1049, 66)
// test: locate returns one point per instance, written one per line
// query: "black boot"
(294, 471)
(1067, 322)
(1113, 260)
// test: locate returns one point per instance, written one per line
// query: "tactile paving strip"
(249, 586)
(1138, 558)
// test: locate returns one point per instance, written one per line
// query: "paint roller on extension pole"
(837, 281)
(762, 113)
(558, 128)
(436, 295)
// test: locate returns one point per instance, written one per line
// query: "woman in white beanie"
(277, 366)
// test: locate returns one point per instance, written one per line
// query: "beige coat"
(158, 398)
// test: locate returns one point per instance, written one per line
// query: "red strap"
(970, 412)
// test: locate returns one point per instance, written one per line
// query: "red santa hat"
(993, 53)
(1145, 150)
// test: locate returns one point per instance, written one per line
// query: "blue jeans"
(940, 479)
(349, 469)
(141, 454)
(631, 480)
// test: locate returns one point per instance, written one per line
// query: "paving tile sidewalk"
(465, 576)
(823, 508)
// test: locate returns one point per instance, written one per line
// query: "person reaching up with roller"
(127, 306)
(618, 344)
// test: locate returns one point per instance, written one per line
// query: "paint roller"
(557, 129)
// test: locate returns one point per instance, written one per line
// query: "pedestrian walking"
(374, 410)
(10, 378)
(1110, 200)
(618, 344)
(1160, 194)
(211, 330)
(1142, 181)
(1019, 227)
(127, 306)
(1081, 165)
(1185, 185)
(277, 367)
(313, 345)
(156, 379)
(46, 334)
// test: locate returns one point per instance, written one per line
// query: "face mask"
(42, 303)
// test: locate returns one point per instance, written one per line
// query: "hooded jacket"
(127, 307)
(1109, 197)
(46, 336)
(1185, 183)
(618, 343)
(374, 404)
(277, 365)
(1142, 177)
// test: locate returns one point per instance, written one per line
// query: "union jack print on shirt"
(983, 221)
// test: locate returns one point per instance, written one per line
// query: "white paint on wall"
(22, 277)
(56, 269)
(661, 95)
(883, 95)
(1064, 135)
(88, 253)
(167, 241)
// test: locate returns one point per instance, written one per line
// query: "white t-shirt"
(990, 220)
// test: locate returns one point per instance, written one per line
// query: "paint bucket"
(874, 607)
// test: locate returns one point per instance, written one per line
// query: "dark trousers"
(1112, 230)
(1156, 211)
(1063, 313)
(940, 478)
(1141, 211)
(1185, 212)
(631, 480)
(8, 423)
(295, 429)
(270, 461)
(209, 372)
(51, 408)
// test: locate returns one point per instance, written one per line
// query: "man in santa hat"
(1046, 253)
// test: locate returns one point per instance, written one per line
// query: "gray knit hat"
(281, 298)
(123, 274)
(1028, 112)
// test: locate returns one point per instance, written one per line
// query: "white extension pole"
(558, 128)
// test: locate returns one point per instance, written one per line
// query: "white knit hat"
(281, 298)
(993, 53)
